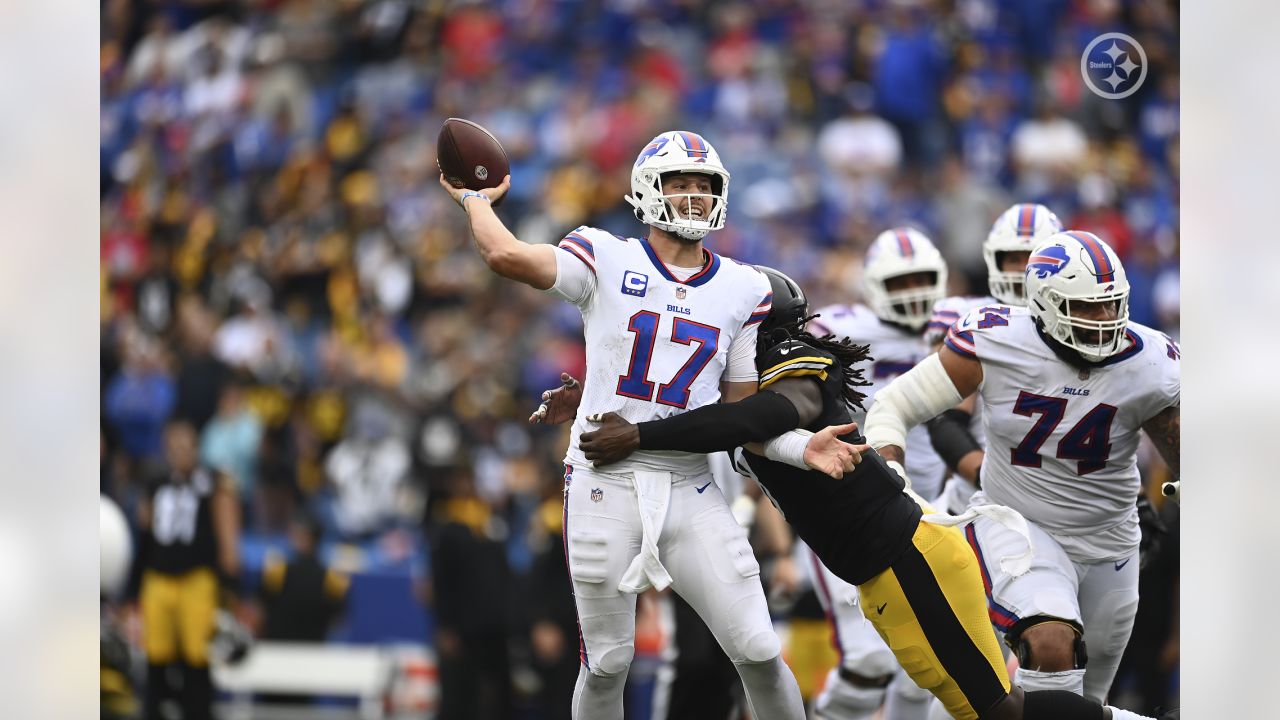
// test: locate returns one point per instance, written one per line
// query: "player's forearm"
(504, 253)
(922, 393)
(970, 467)
(892, 452)
(1165, 431)
(722, 426)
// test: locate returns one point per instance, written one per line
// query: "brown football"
(470, 156)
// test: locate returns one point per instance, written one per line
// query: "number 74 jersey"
(1061, 441)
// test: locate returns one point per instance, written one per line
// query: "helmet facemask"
(677, 213)
(1007, 286)
(910, 306)
(1095, 340)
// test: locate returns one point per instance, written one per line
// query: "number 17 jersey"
(1062, 441)
(657, 345)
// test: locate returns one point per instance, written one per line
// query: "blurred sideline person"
(191, 526)
(917, 581)
(904, 276)
(1066, 385)
(669, 326)
(301, 596)
(470, 584)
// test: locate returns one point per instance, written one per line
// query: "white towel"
(653, 494)
(1015, 565)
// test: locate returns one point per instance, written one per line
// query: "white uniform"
(657, 346)
(1062, 450)
(862, 651)
(956, 491)
(895, 351)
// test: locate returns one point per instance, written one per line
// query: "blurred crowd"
(280, 269)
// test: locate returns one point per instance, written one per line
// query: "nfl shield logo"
(680, 293)
(597, 494)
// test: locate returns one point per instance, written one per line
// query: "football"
(470, 156)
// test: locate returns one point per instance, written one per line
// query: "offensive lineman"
(904, 276)
(918, 583)
(956, 434)
(1065, 385)
(669, 326)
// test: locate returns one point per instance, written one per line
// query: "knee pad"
(613, 662)
(842, 700)
(1030, 680)
(762, 647)
(1019, 644)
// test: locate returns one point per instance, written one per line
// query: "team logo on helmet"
(1049, 261)
(651, 149)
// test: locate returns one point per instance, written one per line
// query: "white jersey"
(1062, 442)
(947, 312)
(657, 346)
(894, 350)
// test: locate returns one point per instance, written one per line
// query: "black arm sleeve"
(949, 434)
(723, 426)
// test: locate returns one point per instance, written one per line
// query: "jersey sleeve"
(1169, 369)
(575, 268)
(988, 321)
(740, 365)
(959, 337)
(794, 358)
(943, 317)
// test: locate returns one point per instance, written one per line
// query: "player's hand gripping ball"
(470, 157)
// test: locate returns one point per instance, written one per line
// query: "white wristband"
(789, 448)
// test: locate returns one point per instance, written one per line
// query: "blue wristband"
(471, 194)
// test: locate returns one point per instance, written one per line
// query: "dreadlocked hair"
(849, 355)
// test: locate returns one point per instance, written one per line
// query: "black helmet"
(790, 306)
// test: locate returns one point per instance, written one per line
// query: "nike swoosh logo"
(704, 487)
(880, 610)
(1120, 565)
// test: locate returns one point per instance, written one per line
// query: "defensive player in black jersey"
(919, 583)
(190, 525)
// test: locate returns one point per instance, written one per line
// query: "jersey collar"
(1071, 357)
(710, 264)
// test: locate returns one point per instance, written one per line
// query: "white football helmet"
(1072, 269)
(678, 151)
(115, 545)
(1018, 229)
(896, 252)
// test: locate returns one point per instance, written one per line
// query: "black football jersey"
(181, 537)
(858, 525)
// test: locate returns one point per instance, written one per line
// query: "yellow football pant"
(931, 609)
(178, 615)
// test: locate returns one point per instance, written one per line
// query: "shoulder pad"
(793, 358)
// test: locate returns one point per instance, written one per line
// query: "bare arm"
(914, 398)
(506, 255)
(1165, 431)
(226, 526)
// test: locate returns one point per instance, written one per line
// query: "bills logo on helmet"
(651, 149)
(1049, 261)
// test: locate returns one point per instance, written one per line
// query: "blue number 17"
(675, 392)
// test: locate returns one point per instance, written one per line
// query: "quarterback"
(670, 326)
